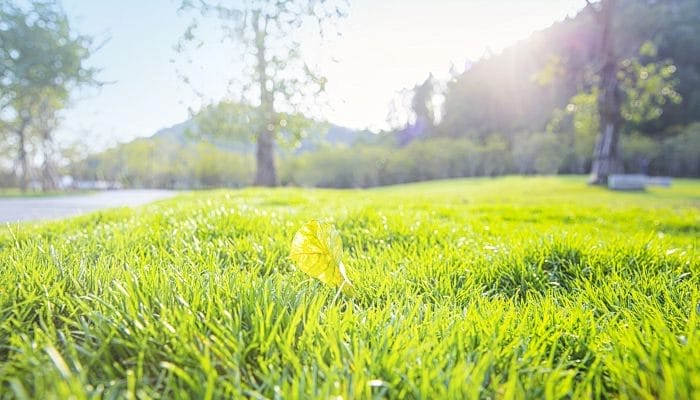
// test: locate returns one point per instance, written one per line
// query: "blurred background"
(199, 94)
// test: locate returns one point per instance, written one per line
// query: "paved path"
(15, 209)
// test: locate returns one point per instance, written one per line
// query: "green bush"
(638, 152)
(167, 164)
(538, 153)
(680, 154)
(366, 166)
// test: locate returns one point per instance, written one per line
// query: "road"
(17, 209)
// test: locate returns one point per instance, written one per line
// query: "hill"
(319, 136)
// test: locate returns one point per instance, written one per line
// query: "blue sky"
(386, 45)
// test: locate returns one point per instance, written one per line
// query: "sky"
(383, 47)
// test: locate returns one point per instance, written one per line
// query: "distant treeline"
(441, 158)
(165, 164)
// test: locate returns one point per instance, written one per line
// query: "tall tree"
(631, 92)
(422, 103)
(46, 120)
(412, 111)
(606, 155)
(280, 81)
(42, 61)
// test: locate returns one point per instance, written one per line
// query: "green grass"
(13, 192)
(479, 288)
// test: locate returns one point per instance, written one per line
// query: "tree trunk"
(606, 159)
(22, 155)
(265, 174)
(49, 180)
(606, 155)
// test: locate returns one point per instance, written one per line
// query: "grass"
(14, 192)
(479, 288)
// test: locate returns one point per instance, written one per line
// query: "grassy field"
(479, 288)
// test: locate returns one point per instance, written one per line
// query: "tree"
(412, 112)
(46, 121)
(645, 86)
(606, 154)
(42, 62)
(422, 102)
(628, 91)
(279, 81)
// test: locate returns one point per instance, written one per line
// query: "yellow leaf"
(318, 251)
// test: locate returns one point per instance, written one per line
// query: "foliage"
(237, 122)
(647, 87)
(511, 287)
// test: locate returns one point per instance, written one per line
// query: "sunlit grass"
(480, 288)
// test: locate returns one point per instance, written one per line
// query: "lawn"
(477, 288)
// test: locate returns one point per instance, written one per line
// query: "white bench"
(664, 181)
(636, 181)
(627, 182)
